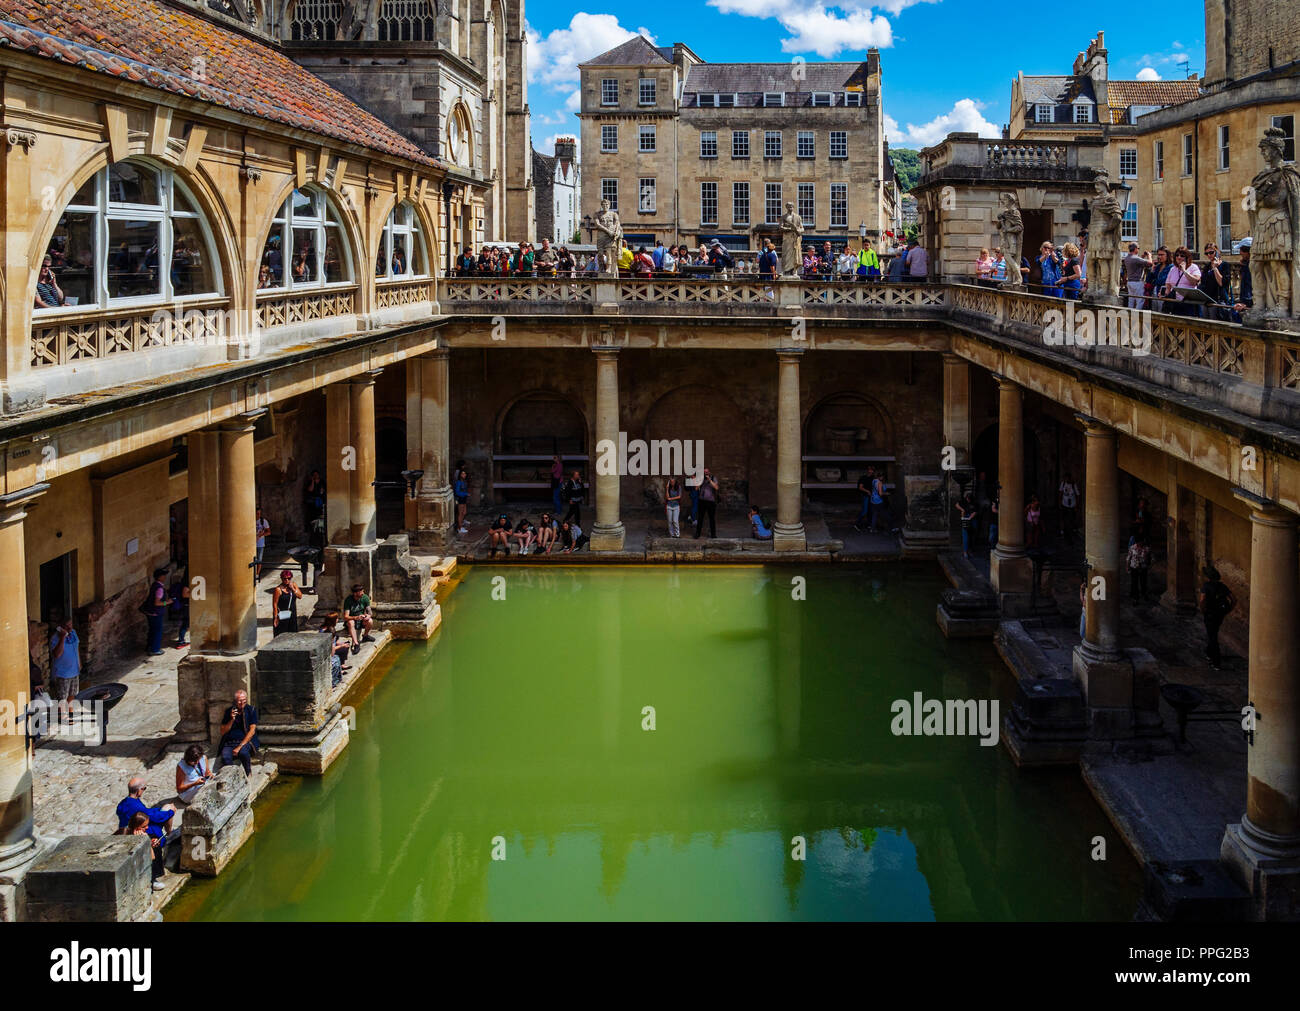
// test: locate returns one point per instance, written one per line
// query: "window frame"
(605, 82)
(706, 201)
(411, 231)
(768, 217)
(609, 184)
(1288, 138)
(613, 129)
(1158, 161)
(805, 196)
(843, 189)
(1129, 152)
(641, 84)
(778, 95)
(1225, 241)
(1188, 156)
(1157, 227)
(843, 135)
(288, 222)
(641, 136)
(808, 151)
(164, 214)
(857, 99)
(1130, 216)
(1223, 138)
(737, 135)
(709, 138)
(768, 144)
(829, 102)
(1189, 227)
(1081, 107)
(1043, 112)
(641, 190)
(736, 201)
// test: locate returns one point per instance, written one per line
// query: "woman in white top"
(192, 772)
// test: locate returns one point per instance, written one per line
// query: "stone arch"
(847, 423)
(538, 422)
(704, 413)
(197, 184)
(348, 217)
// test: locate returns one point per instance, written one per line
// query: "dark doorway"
(1038, 229)
(56, 577)
(179, 524)
(390, 461)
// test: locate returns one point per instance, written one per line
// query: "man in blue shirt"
(160, 818)
(65, 665)
(657, 255)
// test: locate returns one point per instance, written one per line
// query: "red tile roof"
(163, 47)
(1122, 94)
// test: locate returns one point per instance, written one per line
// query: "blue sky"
(947, 64)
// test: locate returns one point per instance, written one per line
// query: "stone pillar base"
(307, 753)
(344, 565)
(607, 536)
(1048, 723)
(924, 543)
(402, 598)
(408, 621)
(13, 894)
(429, 518)
(205, 685)
(1012, 579)
(789, 537)
(217, 823)
(1097, 298)
(1122, 693)
(1269, 868)
(92, 878)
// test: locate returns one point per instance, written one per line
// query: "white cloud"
(964, 117)
(553, 59)
(574, 102)
(825, 28)
(1148, 74)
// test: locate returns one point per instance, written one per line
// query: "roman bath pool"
(677, 743)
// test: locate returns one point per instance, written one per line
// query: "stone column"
(956, 407)
(430, 514)
(340, 459)
(1101, 541)
(607, 533)
(18, 847)
(1264, 849)
(238, 521)
(1010, 570)
(361, 433)
(788, 533)
(1180, 547)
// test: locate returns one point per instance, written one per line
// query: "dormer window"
(773, 99)
(1042, 113)
(853, 98)
(1082, 112)
(823, 98)
(717, 101)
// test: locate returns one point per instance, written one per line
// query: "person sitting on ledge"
(758, 526)
(160, 818)
(192, 771)
(139, 825)
(356, 611)
(239, 733)
(546, 529)
(338, 650)
(573, 537)
(499, 533)
(524, 534)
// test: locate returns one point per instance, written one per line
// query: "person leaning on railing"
(1049, 263)
(769, 263)
(868, 268)
(1071, 272)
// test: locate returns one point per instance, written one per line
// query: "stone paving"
(77, 783)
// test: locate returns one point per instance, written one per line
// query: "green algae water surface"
(506, 770)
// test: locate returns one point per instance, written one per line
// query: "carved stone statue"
(1012, 229)
(1274, 208)
(1103, 242)
(791, 241)
(609, 237)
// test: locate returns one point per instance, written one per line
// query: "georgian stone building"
(688, 150)
(558, 182)
(1087, 105)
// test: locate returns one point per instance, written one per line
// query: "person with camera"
(48, 293)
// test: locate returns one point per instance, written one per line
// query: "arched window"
(131, 234)
(306, 247)
(316, 20)
(401, 247)
(408, 21)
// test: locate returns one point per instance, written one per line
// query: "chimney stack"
(566, 148)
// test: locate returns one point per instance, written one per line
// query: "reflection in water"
(523, 720)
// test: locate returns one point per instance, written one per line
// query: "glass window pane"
(85, 197)
(335, 265)
(302, 267)
(400, 244)
(417, 255)
(132, 183)
(72, 258)
(271, 272)
(181, 203)
(133, 258)
(191, 270)
(381, 258)
(302, 205)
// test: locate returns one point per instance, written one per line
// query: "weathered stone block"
(206, 686)
(403, 597)
(92, 879)
(300, 729)
(217, 823)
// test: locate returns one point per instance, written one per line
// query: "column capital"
(1265, 511)
(244, 422)
(952, 358)
(605, 350)
(366, 378)
(1005, 384)
(790, 354)
(13, 505)
(439, 353)
(1092, 426)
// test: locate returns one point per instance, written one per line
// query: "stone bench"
(217, 822)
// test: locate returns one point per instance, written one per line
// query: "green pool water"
(518, 733)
